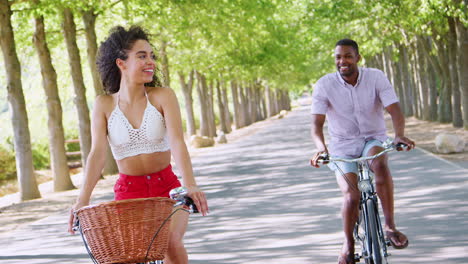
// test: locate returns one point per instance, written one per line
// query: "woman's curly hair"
(116, 46)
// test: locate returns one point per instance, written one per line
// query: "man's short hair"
(348, 42)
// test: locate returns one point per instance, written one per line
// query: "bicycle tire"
(376, 255)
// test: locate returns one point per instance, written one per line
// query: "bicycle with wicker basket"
(130, 231)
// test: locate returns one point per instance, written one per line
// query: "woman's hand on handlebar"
(314, 161)
(199, 198)
(72, 220)
(405, 141)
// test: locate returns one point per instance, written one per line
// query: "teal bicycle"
(368, 231)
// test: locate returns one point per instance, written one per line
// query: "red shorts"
(157, 184)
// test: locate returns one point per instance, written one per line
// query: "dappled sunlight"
(267, 204)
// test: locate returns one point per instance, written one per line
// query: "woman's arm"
(96, 158)
(173, 120)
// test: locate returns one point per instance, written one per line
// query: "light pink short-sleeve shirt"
(355, 114)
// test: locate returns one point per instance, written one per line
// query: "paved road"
(268, 206)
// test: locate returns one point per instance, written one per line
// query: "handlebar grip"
(189, 202)
(76, 224)
(401, 146)
(323, 158)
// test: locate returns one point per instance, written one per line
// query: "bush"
(7, 164)
(71, 147)
(41, 156)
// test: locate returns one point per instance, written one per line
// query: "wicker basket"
(121, 231)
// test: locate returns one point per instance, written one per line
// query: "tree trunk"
(211, 113)
(406, 80)
(221, 108)
(264, 99)
(202, 97)
(433, 98)
(236, 105)
(69, 32)
(457, 119)
(391, 71)
(396, 73)
(19, 116)
(244, 104)
(270, 106)
(422, 77)
(440, 63)
(462, 67)
(438, 68)
(259, 100)
(164, 64)
(414, 79)
(445, 99)
(276, 96)
(378, 62)
(187, 92)
(383, 59)
(227, 115)
(428, 58)
(62, 180)
(288, 100)
(89, 21)
(252, 101)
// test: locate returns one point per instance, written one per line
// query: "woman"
(143, 125)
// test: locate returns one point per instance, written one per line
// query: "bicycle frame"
(369, 195)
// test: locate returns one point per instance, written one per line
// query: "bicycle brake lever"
(191, 204)
(76, 224)
(323, 158)
(401, 146)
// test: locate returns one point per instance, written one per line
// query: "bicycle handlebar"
(179, 194)
(325, 158)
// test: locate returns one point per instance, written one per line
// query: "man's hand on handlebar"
(314, 161)
(409, 144)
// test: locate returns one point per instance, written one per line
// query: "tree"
(462, 65)
(62, 180)
(19, 117)
(89, 16)
(187, 88)
(69, 32)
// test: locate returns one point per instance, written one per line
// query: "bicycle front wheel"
(376, 254)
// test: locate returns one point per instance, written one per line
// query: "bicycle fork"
(368, 196)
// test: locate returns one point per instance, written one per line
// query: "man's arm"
(316, 132)
(398, 121)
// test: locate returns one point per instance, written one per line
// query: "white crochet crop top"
(126, 141)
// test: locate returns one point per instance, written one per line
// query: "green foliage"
(7, 164)
(287, 44)
(41, 157)
(71, 134)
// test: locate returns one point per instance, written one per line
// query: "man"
(353, 98)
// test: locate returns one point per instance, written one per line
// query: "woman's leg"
(176, 253)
